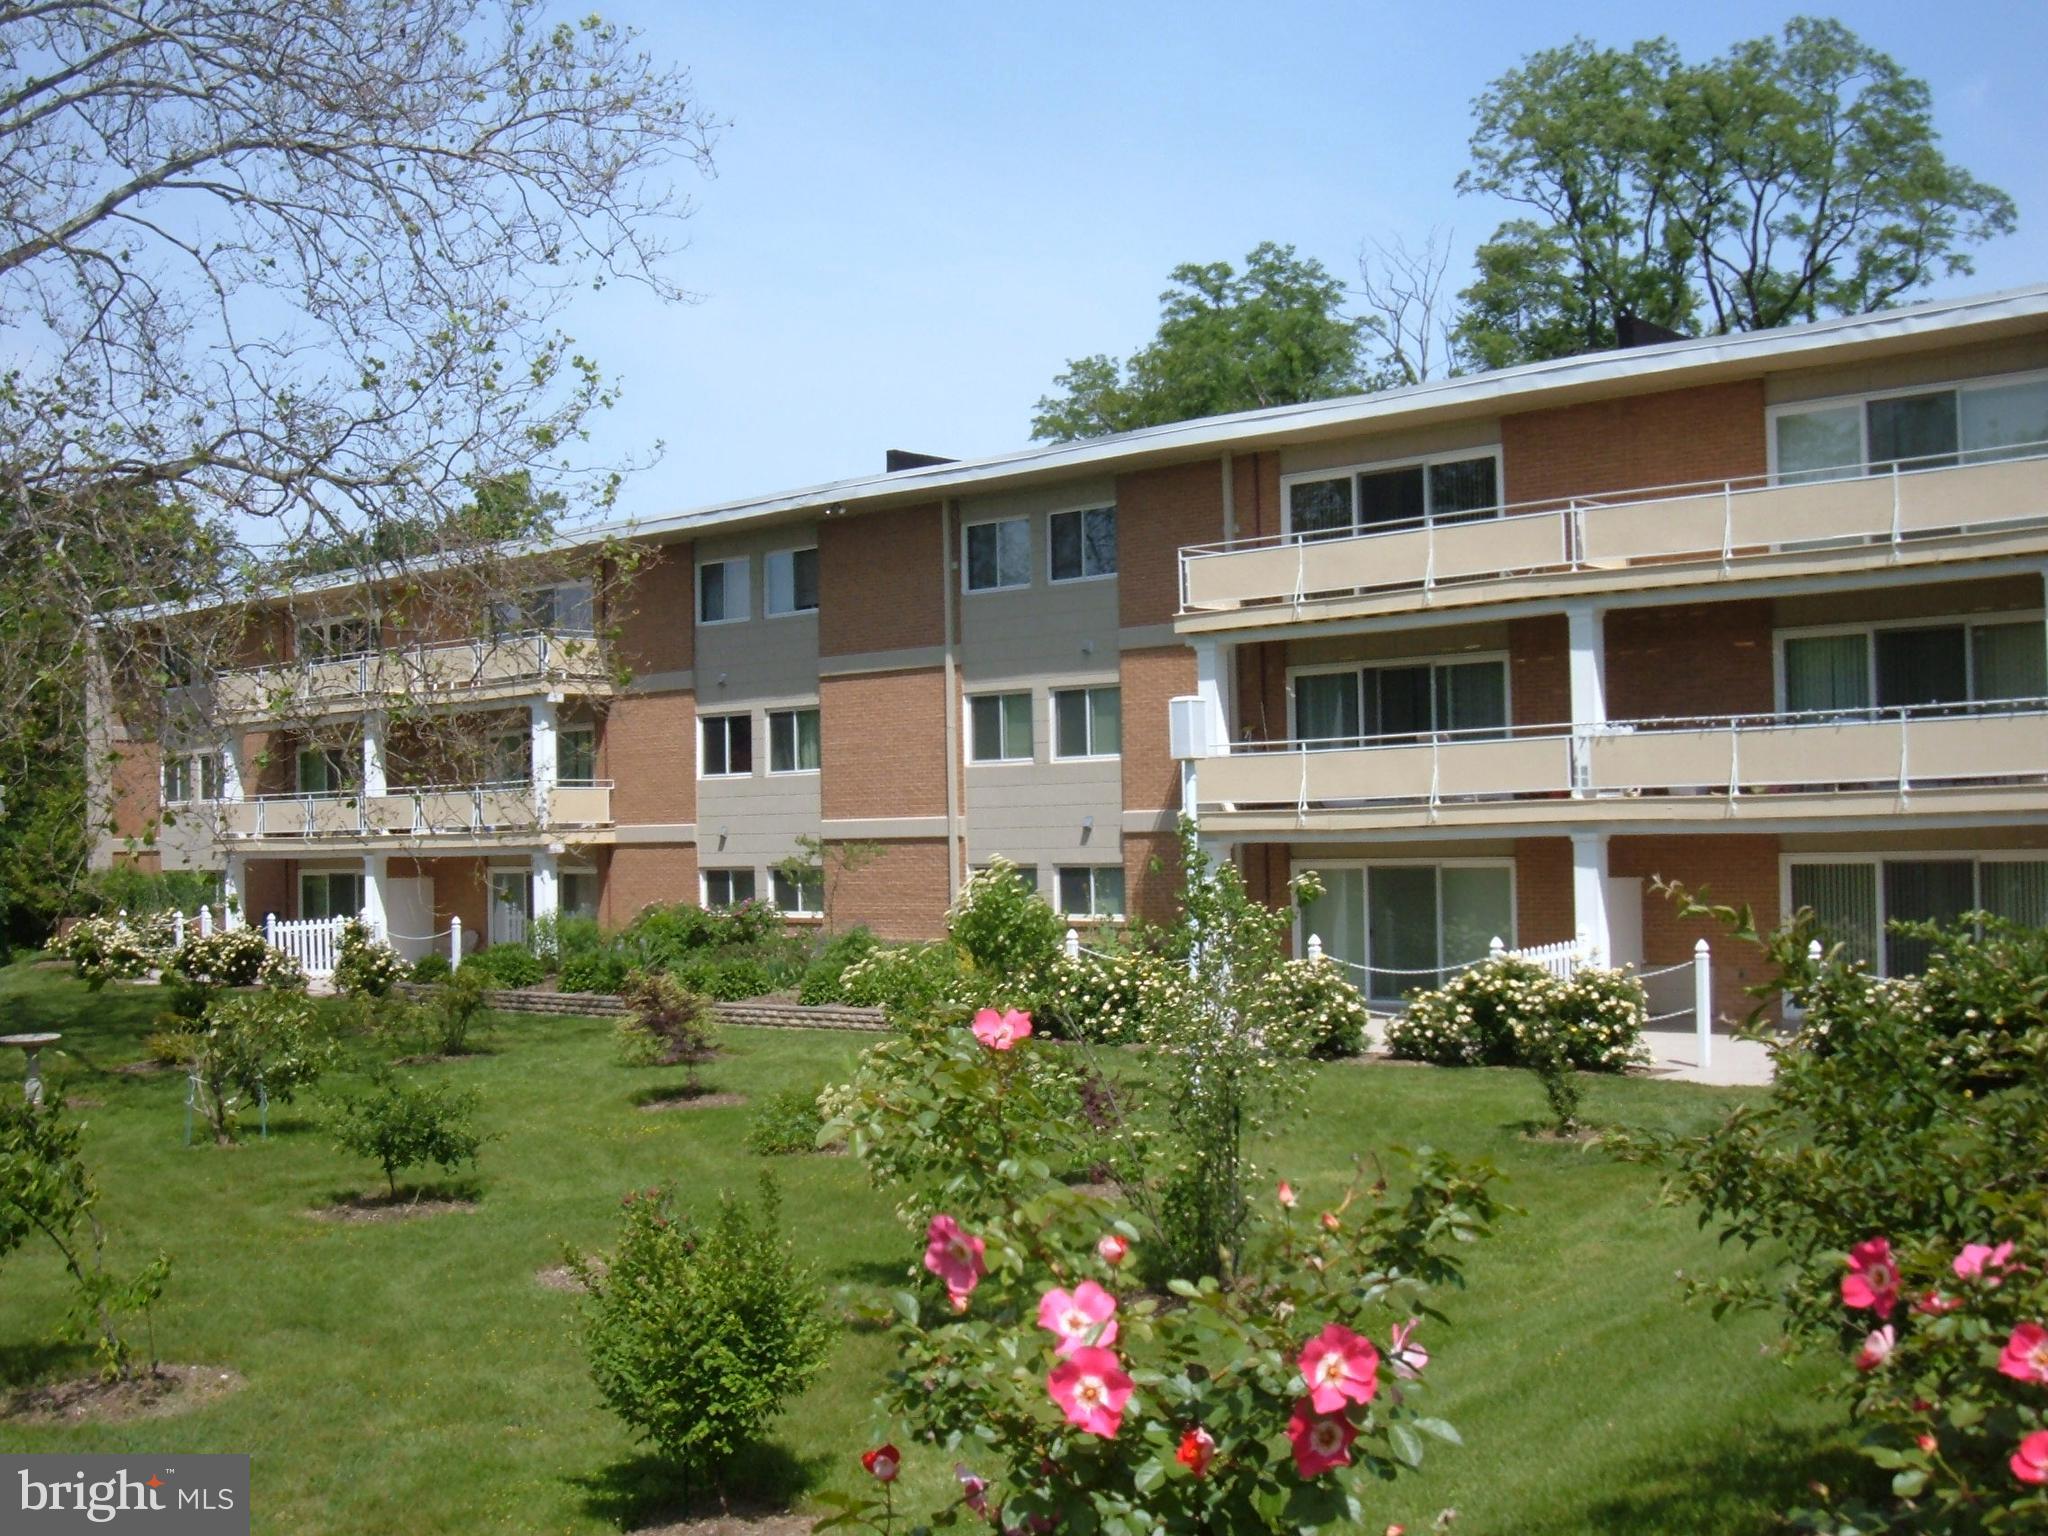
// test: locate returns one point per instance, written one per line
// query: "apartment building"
(1759, 614)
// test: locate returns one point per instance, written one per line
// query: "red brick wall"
(654, 610)
(882, 737)
(1157, 511)
(881, 581)
(1710, 432)
(640, 875)
(1150, 678)
(900, 895)
(650, 745)
(1262, 691)
(135, 785)
(1696, 659)
(1539, 670)
(1151, 892)
(1543, 891)
(1730, 868)
(270, 886)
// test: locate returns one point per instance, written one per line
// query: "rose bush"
(365, 967)
(104, 949)
(1513, 1013)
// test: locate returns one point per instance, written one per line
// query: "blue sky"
(921, 211)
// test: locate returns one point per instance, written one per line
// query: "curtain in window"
(1401, 927)
(2015, 889)
(1472, 696)
(1922, 891)
(1478, 907)
(1922, 666)
(1390, 497)
(1844, 900)
(1462, 489)
(2005, 422)
(1398, 701)
(1319, 509)
(1326, 706)
(1820, 445)
(1827, 673)
(1337, 917)
(2010, 661)
(1913, 432)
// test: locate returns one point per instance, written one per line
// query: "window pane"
(1922, 891)
(1105, 721)
(578, 894)
(806, 579)
(710, 594)
(808, 753)
(715, 757)
(1390, 496)
(1479, 907)
(780, 594)
(1921, 666)
(1462, 489)
(782, 741)
(576, 757)
(1098, 527)
(1065, 531)
(1913, 431)
(1326, 706)
(1472, 696)
(1337, 917)
(1844, 901)
(1319, 508)
(1070, 722)
(2005, 421)
(2010, 661)
(1820, 445)
(985, 727)
(2016, 889)
(740, 744)
(572, 609)
(1014, 549)
(981, 556)
(1017, 725)
(1827, 673)
(1401, 927)
(1397, 701)
(1075, 891)
(1109, 892)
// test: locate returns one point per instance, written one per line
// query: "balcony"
(426, 814)
(1763, 769)
(1666, 535)
(507, 666)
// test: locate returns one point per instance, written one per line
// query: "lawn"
(413, 1376)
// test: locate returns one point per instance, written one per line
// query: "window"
(793, 581)
(320, 638)
(728, 746)
(1919, 667)
(576, 755)
(1919, 429)
(728, 887)
(562, 610)
(1083, 543)
(792, 741)
(803, 895)
(509, 758)
(1854, 900)
(324, 771)
(1091, 890)
(1401, 703)
(192, 776)
(325, 894)
(1028, 873)
(1401, 926)
(576, 892)
(1087, 722)
(999, 554)
(722, 591)
(999, 727)
(1453, 489)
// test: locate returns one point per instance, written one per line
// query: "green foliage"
(730, 979)
(401, 1125)
(506, 965)
(431, 968)
(104, 949)
(455, 1008)
(172, 1047)
(668, 937)
(908, 980)
(699, 1332)
(823, 977)
(1503, 1012)
(46, 1189)
(593, 971)
(1273, 334)
(267, 1044)
(1788, 179)
(785, 1122)
(1004, 927)
(145, 892)
(1561, 1090)
(365, 968)
(667, 1023)
(1909, 1111)
(229, 958)
(1312, 998)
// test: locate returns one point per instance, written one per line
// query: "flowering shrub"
(1098, 996)
(231, 958)
(1905, 1189)
(104, 949)
(365, 968)
(1003, 926)
(281, 972)
(906, 981)
(1496, 1014)
(698, 1333)
(1313, 997)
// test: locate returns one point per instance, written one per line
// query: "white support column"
(547, 886)
(1589, 895)
(373, 895)
(235, 887)
(231, 768)
(1212, 731)
(1588, 676)
(542, 714)
(374, 779)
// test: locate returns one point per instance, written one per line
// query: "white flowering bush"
(366, 968)
(1311, 998)
(1512, 1012)
(281, 972)
(911, 979)
(104, 949)
(232, 958)
(1097, 996)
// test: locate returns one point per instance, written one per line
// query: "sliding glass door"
(1403, 926)
(1855, 899)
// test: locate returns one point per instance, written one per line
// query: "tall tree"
(1273, 334)
(1793, 177)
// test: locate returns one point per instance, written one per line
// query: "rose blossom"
(1113, 1249)
(1877, 1348)
(1000, 1031)
(1086, 1317)
(883, 1463)
(973, 1489)
(1980, 1261)
(1197, 1450)
(1321, 1440)
(1091, 1388)
(2025, 1357)
(2030, 1462)
(955, 1257)
(1339, 1367)
(1410, 1360)
(1285, 1194)
(1873, 1279)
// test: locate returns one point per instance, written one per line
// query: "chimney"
(903, 458)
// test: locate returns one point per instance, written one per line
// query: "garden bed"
(768, 1012)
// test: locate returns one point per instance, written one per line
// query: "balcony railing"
(439, 672)
(1725, 522)
(1643, 768)
(426, 811)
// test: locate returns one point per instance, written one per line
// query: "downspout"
(948, 511)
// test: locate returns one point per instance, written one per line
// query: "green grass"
(413, 1376)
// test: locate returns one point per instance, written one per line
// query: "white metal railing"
(435, 668)
(427, 810)
(1728, 521)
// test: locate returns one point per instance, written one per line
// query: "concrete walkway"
(1736, 1063)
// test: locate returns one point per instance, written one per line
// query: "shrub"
(263, 1045)
(1002, 925)
(593, 971)
(1892, 1176)
(507, 965)
(786, 1122)
(558, 938)
(104, 949)
(402, 1125)
(431, 968)
(1494, 1015)
(663, 935)
(233, 958)
(1314, 998)
(730, 981)
(281, 973)
(666, 1024)
(454, 1010)
(172, 1047)
(699, 1332)
(1096, 996)
(123, 888)
(365, 968)
(906, 981)
(822, 979)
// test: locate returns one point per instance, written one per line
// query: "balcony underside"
(463, 673)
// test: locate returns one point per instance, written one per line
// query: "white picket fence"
(315, 942)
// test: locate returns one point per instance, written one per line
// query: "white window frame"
(196, 767)
(967, 726)
(722, 716)
(1351, 472)
(562, 733)
(324, 874)
(1052, 716)
(1871, 627)
(768, 561)
(1862, 399)
(325, 625)
(816, 878)
(1433, 660)
(967, 565)
(1059, 874)
(1977, 858)
(1027, 872)
(1082, 511)
(728, 870)
(1299, 867)
(795, 740)
(744, 586)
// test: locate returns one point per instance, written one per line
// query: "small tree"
(267, 1045)
(827, 864)
(404, 1125)
(365, 968)
(666, 1023)
(698, 1333)
(1006, 928)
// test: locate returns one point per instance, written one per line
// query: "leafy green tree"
(1792, 177)
(1274, 333)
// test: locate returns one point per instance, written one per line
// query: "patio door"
(511, 905)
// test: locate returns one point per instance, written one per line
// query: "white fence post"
(1315, 946)
(270, 929)
(455, 940)
(1703, 1001)
(177, 930)
(1073, 945)
(1813, 952)
(206, 922)
(1496, 950)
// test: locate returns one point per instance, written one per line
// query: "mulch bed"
(560, 1277)
(685, 1098)
(144, 1068)
(89, 1400)
(374, 1208)
(741, 1520)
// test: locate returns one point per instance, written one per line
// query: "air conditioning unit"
(1188, 727)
